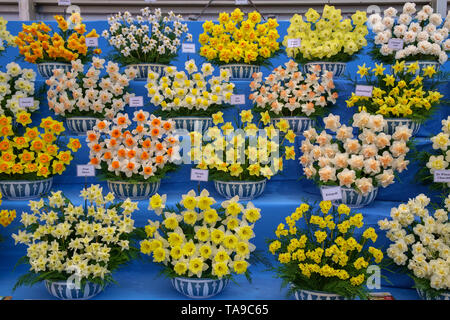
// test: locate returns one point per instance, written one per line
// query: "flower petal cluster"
(440, 158)
(6, 38)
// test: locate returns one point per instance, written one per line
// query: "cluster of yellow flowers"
(325, 248)
(327, 36)
(37, 44)
(35, 152)
(397, 95)
(5, 36)
(6, 216)
(200, 240)
(234, 39)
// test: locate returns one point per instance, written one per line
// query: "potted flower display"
(241, 158)
(328, 40)
(83, 97)
(239, 45)
(133, 156)
(39, 44)
(202, 246)
(360, 164)
(420, 245)
(411, 36)
(6, 38)
(29, 161)
(17, 83)
(148, 42)
(73, 249)
(190, 99)
(401, 97)
(289, 94)
(322, 254)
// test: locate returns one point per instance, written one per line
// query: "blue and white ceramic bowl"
(25, 190)
(199, 288)
(133, 191)
(246, 190)
(64, 290)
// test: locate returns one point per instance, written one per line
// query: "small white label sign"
(64, 3)
(237, 99)
(395, 44)
(85, 170)
(137, 101)
(26, 102)
(363, 91)
(188, 48)
(241, 2)
(199, 175)
(442, 176)
(92, 42)
(294, 43)
(331, 193)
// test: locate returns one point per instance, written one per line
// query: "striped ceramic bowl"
(45, 69)
(198, 124)
(316, 295)
(392, 124)
(296, 124)
(424, 64)
(354, 199)
(25, 190)
(133, 191)
(338, 68)
(424, 296)
(144, 68)
(80, 125)
(199, 288)
(64, 290)
(241, 71)
(246, 190)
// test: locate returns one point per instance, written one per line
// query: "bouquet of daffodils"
(328, 37)
(134, 152)
(400, 94)
(288, 92)
(39, 43)
(193, 94)
(80, 93)
(6, 39)
(37, 153)
(363, 162)
(235, 40)
(421, 243)
(148, 38)
(65, 240)
(6, 216)
(16, 83)
(249, 152)
(320, 250)
(424, 34)
(198, 239)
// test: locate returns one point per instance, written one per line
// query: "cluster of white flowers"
(421, 240)
(441, 142)
(361, 162)
(420, 31)
(67, 239)
(288, 89)
(86, 92)
(146, 37)
(16, 83)
(6, 38)
(193, 90)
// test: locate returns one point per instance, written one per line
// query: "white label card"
(137, 101)
(294, 43)
(442, 176)
(85, 170)
(363, 91)
(64, 3)
(26, 102)
(199, 175)
(331, 193)
(395, 44)
(91, 42)
(188, 48)
(241, 2)
(237, 99)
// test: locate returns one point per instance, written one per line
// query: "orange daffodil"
(145, 152)
(36, 151)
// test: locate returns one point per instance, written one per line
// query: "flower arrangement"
(289, 92)
(37, 43)
(148, 38)
(248, 152)
(235, 40)
(80, 93)
(422, 36)
(399, 94)
(320, 250)
(65, 240)
(328, 37)
(6, 216)
(200, 240)
(143, 151)
(420, 243)
(16, 83)
(38, 153)
(6, 39)
(363, 162)
(197, 93)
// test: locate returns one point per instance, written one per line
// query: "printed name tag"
(294, 43)
(64, 3)
(331, 193)
(199, 175)
(137, 101)
(442, 176)
(85, 170)
(188, 48)
(26, 102)
(363, 91)
(395, 44)
(237, 99)
(91, 42)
